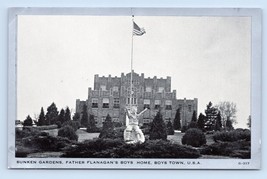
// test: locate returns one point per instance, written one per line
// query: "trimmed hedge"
(194, 137)
(114, 148)
(238, 149)
(232, 136)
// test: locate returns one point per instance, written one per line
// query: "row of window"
(147, 89)
(116, 103)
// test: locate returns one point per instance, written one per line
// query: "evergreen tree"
(67, 115)
(194, 117)
(211, 115)
(84, 120)
(91, 124)
(107, 129)
(170, 129)
(200, 122)
(177, 120)
(52, 114)
(28, 121)
(249, 121)
(229, 124)
(158, 128)
(61, 115)
(218, 124)
(76, 117)
(41, 119)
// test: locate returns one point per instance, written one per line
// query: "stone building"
(111, 95)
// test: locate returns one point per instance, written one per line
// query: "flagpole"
(131, 82)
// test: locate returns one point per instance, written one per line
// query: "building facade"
(111, 95)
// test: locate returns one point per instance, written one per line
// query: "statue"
(133, 134)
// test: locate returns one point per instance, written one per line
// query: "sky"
(208, 58)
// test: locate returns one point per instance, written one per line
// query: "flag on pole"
(137, 30)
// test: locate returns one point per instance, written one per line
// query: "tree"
(211, 115)
(41, 119)
(228, 111)
(170, 130)
(61, 115)
(91, 124)
(51, 114)
(229, 125)
(201, 122)
(67, 115)
(107, 129)
(84, 120)
(249, 121)
(177, 120)
(194, 117)
(218, 124)
(76, 117)
(158, 128)
(28, 121)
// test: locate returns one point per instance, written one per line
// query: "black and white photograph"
(134, 88)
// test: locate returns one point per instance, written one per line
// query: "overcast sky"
(207, 57)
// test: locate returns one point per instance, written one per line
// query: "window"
(161, 89)
(147, 103)
(115, 88)
(168, 104)
(105, 103)
(148, 89)
(103, 87)
(134, 101)
(189, 108)
(116, 103)
(157, 104)
(94, 103)
(180, 106)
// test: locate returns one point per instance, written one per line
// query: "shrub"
(194, 137)
(110, 148)
(68, 132)
(239, 149)
(74, 124)
(43, 142)
(231, 136)
(192, 124)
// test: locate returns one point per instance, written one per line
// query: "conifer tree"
(61, 115)
(107, 129)
(41, 119)
(76, 117)
(158, 128)
(51, 114)
(91, 124)
(67, 115)
(194, 117)
(170, 129)
(200, 122)
(177, 120)
(211, 115)
(84, 120)
(218, 124)
(28, 121)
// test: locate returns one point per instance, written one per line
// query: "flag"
(137, 30)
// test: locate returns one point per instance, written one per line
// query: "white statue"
(133, 134)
